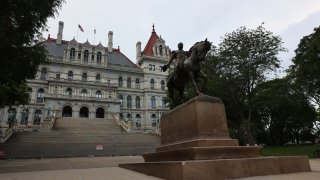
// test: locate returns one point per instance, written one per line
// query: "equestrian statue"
(188, 68)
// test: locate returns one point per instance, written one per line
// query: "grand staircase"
(72, 137)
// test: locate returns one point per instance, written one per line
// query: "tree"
(283, 113)
(306, 65)
(21, 26)
(242, 60)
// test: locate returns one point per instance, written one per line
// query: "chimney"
(110, 41)
(60, 32)
(138, 51)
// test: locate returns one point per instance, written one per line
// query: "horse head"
(200, 48)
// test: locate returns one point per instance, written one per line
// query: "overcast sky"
(186, 21)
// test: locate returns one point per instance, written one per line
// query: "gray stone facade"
(93, 81)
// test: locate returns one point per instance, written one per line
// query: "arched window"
(162, 85)
(99, 58)
(100, 112)
(138, 120)
(24, 116)
(43, 73)
(137, 83)
(67, 111)
(152, 84)
(84, 76)
(69, 92)
(120, 82)
(86, 56)
(153, 102)
(12, 114)
(128, 117)
(121, 100)
(37, 116)
(84, 93)
(129, 101)
(98, 94)
(154, 119)
(129, 83)
(84, 112)
(40, 95)
(138, 102)
(98, 78)
(70, 75)
(72, 53)
(163, 102)
(29, 90)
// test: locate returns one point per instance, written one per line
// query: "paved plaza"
(103, 168)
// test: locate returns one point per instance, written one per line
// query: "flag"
(94, 31)
(81, 29)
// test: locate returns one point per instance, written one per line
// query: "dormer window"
(86, 56)
(161, 51)
(72, 53)
(98, 58)
(43, 73)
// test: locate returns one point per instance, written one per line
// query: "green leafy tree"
(21, 26)
(306, 65)
(282, 113)
(242, 61)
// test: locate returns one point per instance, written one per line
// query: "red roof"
(148, 50)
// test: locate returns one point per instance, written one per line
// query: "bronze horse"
(190, 71)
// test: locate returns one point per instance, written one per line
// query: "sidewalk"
(103, 168)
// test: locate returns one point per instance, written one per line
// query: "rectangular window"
(57, 76)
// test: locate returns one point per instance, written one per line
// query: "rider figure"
(180, 55)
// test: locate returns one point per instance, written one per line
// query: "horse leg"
(194, 82)
(181, 93)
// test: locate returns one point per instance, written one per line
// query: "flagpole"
(94, 35)
(77, 32)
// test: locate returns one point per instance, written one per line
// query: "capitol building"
(83, 80)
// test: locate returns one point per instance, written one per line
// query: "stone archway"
(100, 112)
(84, 112)
(67, 111)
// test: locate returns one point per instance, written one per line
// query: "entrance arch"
(100, 112)
(67, 111)
(84, 112)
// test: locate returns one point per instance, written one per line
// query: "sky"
(186, 21)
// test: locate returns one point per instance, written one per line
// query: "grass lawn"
(290, 150)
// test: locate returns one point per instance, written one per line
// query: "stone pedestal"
(195, 144)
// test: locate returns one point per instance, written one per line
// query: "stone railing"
(6, 135)
(123, 124)
(49, 122)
